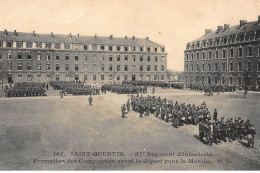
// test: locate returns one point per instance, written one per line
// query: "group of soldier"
(74, 88)
(25, 89)
(179, 114)
(123, 89)
(161, 84)
(212, 87)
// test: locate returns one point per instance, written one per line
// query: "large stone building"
(93, 59)
(228, 56)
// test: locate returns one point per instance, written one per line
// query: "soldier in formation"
(25, 89)
(123, 89)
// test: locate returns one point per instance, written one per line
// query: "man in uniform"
(215, 115)
(128, 105)
(90, 100)
(123, 111)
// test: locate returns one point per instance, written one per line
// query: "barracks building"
(92, 59)
(226, 56)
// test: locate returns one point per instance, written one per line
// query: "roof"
(251, 26)
(59, 38)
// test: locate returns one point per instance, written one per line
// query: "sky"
(172, 23)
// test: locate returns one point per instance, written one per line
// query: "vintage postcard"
(130, 85)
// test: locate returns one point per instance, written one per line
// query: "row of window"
(94, 77)
(225, 40)
(76, 57)
(224, 54)
(222, 68)
(10, 44)
(76, 67)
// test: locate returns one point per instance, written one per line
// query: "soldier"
(223, 129)
(153, 89)
(123, 111)
(128, 105)
(47, 86)
(163, 112)
(215, 115)
(90, 100)
(157, 111)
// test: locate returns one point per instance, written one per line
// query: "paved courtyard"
(37, 127)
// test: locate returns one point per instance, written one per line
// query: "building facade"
(227, 56)
(92, 59)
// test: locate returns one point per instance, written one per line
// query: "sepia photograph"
(140, 85)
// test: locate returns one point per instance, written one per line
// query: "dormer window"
(19, 44)
(67, 46)
(204, 43)
(39, 45)
(29, 45)
(110, 48)
(118, 48)
(102, 48)
(193, 46)
(85, 47)
(9, 44)
(241, 37)
(198, 45)
(47, 45)
(225, 40)
(57, 45)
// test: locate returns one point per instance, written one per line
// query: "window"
(126, 57)
(76, 57)
(85, 67)
(9, 44)
(223, 66)
(204, 43)
(231, 53)
(67, 57)
(224, 54)
(19, 56)
(57, 45)
(141, 58)
(191, 56)
(163, 49)
(240, 52)
(39, 67)
(110, 77)
(133, 67)
(231, 66)
(20, 77)
(9, 55)
(118, 78)
(134, 49)
(197, 56)
(57, 57)
(156, 59)
(216, 54)
(155, 49)
(29, 66)
(117, 58)
(67, 66)
(126, 67)
(57, 77)
(94, 57)
(203, 67)
(187, 67)
(29, 56)
(231, 81)
(210, 42)
(118, 48)
(162, 67)
(239, 66)
(162, 59)
(29, 77)
(148, 67)
(209, 57)
(118, 67)
(86, 57)
(249, 51)
(125, 77)
(148, 58)
(38, 56)
(197, 67)
(102, 67)
(110, 48)
(155, 67)
(47, 45)
(148, 49)
(10, 66)
(141, 49)
(67, 46)
(216, 66)
(134, 59)
(249, 66)
(57, 67)
(198, 45)
(203, 55)
(48, 57)
(102, 77)
(110, 67)
(209, 67)
(141, 67)
(225, 40)
(187, 57)
(48, 66)
(102, 48)
(76, 66)
(162, 77)
(111, 58)
(126, 48)
(19, 44)
(19, 66)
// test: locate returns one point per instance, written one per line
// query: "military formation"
(161, 84)
(26, 89)
(123, 89)
(74, 88)
(212, 87)
(211, 129)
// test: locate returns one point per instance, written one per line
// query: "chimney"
(133, 37)
(95, 36)
(242, 22)
(52, 34)
(226, 27)
(70, 35)
(111, 37)
(147, 38)
(125, 37)
(34, 33)
(15, 33)
(207, 31)
(6, 32)
(220, 28)
(78, 34)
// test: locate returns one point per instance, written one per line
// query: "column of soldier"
(123, 89)
(74, 88)
(180, 114)
(213, 87)
(161, 84)
(25, 89)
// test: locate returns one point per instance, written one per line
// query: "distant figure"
(215, 115)
(90, 100)
(153, 90)
(123, 111)
(47, 86)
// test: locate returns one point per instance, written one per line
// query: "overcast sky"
(171, 23)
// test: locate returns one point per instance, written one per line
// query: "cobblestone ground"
(36, 127)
